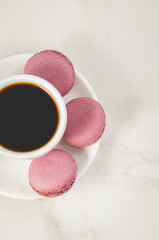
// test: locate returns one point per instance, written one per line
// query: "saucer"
(14, 172)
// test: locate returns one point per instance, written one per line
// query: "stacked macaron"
(54, 174)
(85, 122)
(54, 67)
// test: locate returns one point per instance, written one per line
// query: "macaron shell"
(54, 67)
(52, 174)
(85, 122)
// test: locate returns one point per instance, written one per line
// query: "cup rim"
(56, 96)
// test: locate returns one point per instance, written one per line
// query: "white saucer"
(14, 173)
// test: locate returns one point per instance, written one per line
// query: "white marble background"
(115, 45)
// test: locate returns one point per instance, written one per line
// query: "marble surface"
(115, 45)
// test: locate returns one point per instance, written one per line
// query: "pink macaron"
(53, 174)
(85, 122)
(54, 67)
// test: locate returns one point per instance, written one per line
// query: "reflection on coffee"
(29, 117)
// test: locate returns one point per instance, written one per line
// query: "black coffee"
(28, 117)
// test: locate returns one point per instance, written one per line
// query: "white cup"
(57, 98)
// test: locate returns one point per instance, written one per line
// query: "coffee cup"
(33, 116)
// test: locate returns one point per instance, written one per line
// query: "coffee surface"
(28, 117)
